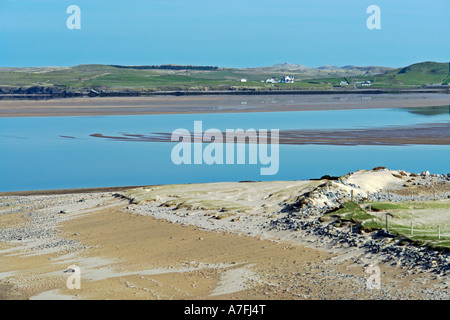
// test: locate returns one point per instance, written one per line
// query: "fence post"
(439, 232)
(352, 195)
(387, 224)
(412, 229)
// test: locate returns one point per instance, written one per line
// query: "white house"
(287, 79)
(272, 80)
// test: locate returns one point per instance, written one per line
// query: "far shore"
(52, 192)
(171, 104)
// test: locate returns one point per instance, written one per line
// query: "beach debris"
(64, 211)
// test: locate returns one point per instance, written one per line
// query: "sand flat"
(213, 104)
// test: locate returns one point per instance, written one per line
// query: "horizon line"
(216, 66)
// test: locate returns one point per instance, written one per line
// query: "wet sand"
(214, 104)
(430, 134)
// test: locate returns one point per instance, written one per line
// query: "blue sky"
(232, 33)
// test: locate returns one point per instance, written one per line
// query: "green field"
(415, 221)
(151, 79)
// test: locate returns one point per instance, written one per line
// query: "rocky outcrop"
(306, 215)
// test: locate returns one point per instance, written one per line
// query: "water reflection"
(430, 111)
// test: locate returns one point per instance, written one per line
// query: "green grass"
(416, 74)
(95, 76)
(425, 216)
(351, 211)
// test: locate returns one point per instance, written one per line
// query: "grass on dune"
(425, 217)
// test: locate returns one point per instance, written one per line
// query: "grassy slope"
(425, 216)
(94, 76)
(415, 75)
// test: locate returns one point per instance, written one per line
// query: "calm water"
(34, 156)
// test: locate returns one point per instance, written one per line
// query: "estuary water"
(44, 153)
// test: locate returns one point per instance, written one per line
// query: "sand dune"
(208, 241)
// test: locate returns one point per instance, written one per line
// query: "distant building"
(287, 79)
(344, 83)
(364, 83)
(243, 80)
(272, 80)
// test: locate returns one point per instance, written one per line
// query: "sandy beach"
(214, 104)
(208, 241)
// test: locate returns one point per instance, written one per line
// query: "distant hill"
(168, 67)
(301, 72)
(417, 74)
(120, 78)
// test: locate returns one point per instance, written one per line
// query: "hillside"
(141, 79)
(417, 74)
